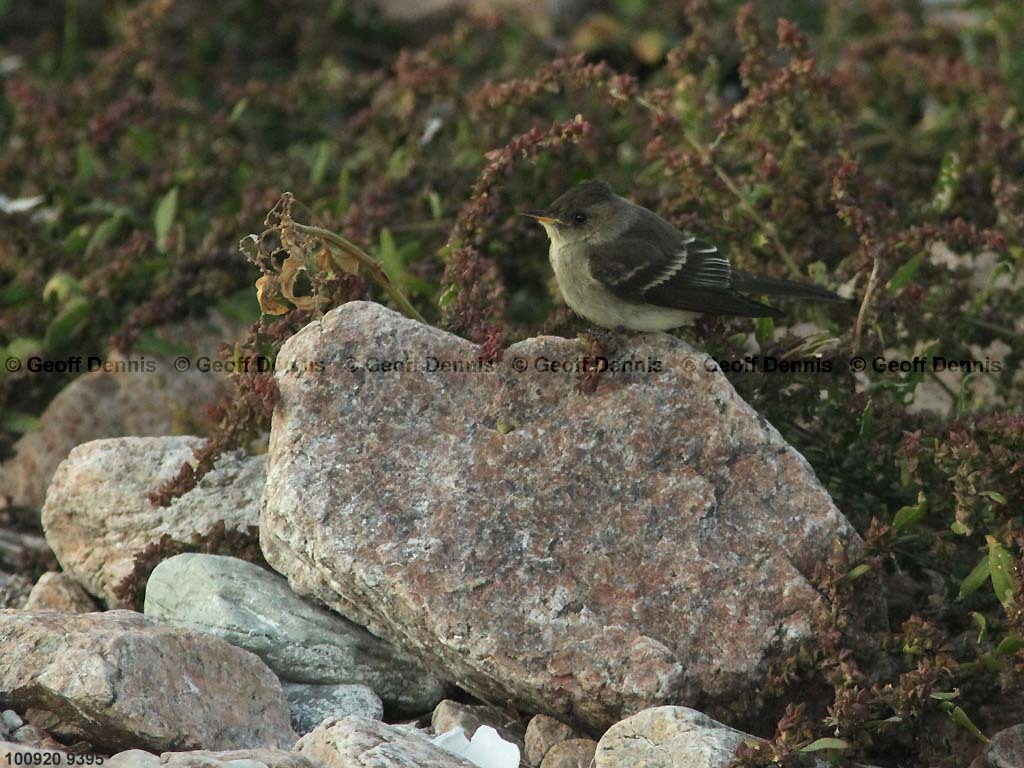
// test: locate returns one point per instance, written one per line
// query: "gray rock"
(1004, 750)
(132, 758)
(312, 704)
(98, 516)
(256, 610)
(127, 681)
(357, 741)
(14, 590)
(584, 555)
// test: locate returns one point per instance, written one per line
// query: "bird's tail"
(776, 286)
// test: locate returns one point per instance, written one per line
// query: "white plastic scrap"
(486, 750)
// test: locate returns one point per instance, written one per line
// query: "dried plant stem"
(865, 301)
(336, 243)
(766, 226)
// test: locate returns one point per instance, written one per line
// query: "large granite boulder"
(585, 556)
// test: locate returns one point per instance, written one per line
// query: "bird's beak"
(542, 217)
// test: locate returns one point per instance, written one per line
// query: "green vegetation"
(870, 143)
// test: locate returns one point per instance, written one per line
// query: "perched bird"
(621, 266)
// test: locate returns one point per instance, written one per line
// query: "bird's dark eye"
(579, 217)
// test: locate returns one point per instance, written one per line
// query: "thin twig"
(338, 243)
(865, 301)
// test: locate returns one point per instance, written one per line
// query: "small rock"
(255, 609)
(127, 681)
(449, 715)
(1004, 750)
(59, 592)
(98, 516)
(357, 741)
(668, 737)
(312, 704)
(573, 753)
(542, 733)
(14, 590)
(11, 720)
(101, 404)
(33, 736)
(132, 758)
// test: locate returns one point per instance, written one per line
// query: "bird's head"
(582, 213)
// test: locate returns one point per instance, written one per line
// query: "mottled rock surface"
(578, 555)
(573, 753)
(98, 516)
(128, 681)
(312, 704)
(256, 610)
(449, 715)
(14, 590)
(542, 733)
(101, 404)
(1005, 750)
(59, 592)
(668, 737)
(356, 742)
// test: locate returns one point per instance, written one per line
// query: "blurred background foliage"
(873, 146)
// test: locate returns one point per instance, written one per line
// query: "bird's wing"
(654, 263)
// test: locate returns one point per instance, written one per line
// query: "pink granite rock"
(585, 556)
(98, 516)
(127, 681)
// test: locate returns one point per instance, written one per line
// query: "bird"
(621, 266)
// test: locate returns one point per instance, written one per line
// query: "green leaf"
(995, 496)
(68, 323)
(104, 233)
(948, 183)
(163, 216)
(238, 110)
(61, 287)
(448, 296)
(764, 330)
(1001, 565)
(944, 695)
(390, 258)
(958, 716)
(978, 576)
(907, 517)
(858, 571)
(436, 208)
(1009, 645)
(827, 743)
(905, 274)
(867, 419)
(85, 161)
(982, 622)
(321, 159)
